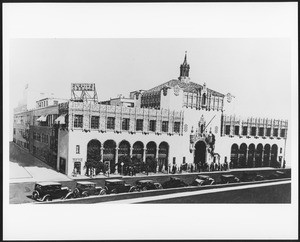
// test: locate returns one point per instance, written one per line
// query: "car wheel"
(102, 192)
(85, 194)
(35, 195)
(132, 189)
(159, 187)
(48, 199)
(76, 193)
(212, 183)
(69, 196)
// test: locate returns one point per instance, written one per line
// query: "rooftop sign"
(83, 86)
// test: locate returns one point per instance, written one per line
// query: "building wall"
(82, 139)
(170, 99)
(63, 150)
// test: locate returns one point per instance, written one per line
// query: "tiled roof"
(186, 86)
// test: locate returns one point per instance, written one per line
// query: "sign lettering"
(83, 86)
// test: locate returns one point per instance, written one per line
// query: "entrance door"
(200, 155)
(62, 165)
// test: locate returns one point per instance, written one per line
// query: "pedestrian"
(283, 164)
(192, 168)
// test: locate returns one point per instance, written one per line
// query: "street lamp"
(122, 164)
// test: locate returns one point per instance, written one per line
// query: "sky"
(257, 71)
(247, 49)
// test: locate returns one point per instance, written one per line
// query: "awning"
(43, 118)
(61, 119)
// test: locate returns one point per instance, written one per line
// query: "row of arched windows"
(112, 152)
(254, 156)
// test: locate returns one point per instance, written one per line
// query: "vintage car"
(229, 179)
(249, 177)
(174, 182)
(46, 191)
(115, 186)
(87, 188)
(203, 180)
(144, 185)
(277, 175)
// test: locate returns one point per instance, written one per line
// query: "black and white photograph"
(150, 121)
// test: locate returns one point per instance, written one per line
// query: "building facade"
(177, 122)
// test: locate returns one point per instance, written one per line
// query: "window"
(275, 132)
(253, 131)
(152, 125)
(268, 132)
(227, 129)
(280, 150)
(78, 121)
(110, 123)
(282, 133)
(176, 127)
(125, 124)
(245, 130)
(77, 149)
(261, 131)
(204, 99)
(38, 137)
(94, 122)
(55, 102)
(165, 125)
(14, 131)
(139, 124)
(237, 130)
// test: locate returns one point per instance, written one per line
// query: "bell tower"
(184, 70)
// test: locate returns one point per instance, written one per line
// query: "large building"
(179, 121)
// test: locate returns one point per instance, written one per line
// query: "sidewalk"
(23, 167)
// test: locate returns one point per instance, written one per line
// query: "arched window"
(204, 99)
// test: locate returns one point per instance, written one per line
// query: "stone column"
(130, 152)
(144, 155)
(157, 164)
(101, 154)
(262, 156)
(270, 157)
(116, 161)
(247, 151)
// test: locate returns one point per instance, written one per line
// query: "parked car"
(278, 175)
(203, 180)
(46, 191)
(144, 185)
(174, 182)
(87, 188)
(118, 186)
(229, 179)
(248, 177)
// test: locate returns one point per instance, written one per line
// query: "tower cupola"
(184, 70)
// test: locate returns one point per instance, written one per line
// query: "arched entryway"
(267, 150)
(163, 155)
(242, 155)
(251, 153)
(124, 148)
(258, 155)
(138, 150)
(93, 156)
(151, 149)
(93, 150)
(109, 153)
(234, 156)
(274, 153)
(200, 155)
